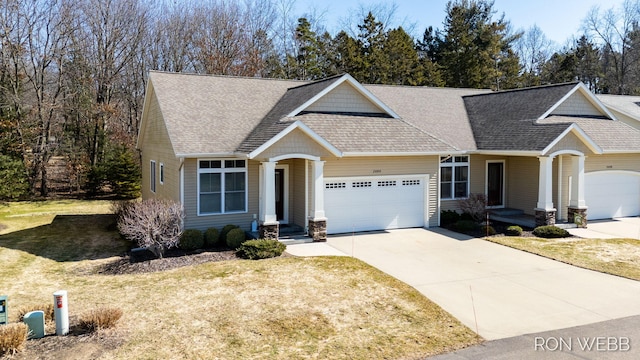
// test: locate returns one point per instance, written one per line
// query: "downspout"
(181, 169)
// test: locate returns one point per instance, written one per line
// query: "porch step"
(567, 225)
(506, 212)
(293, 240)
(290, 229)
(513, 217)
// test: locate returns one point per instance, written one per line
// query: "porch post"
(317, 220)
(577, 211)
(269, 226)
(545, 212)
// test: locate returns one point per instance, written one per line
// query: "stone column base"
(545, 217)
(269, 231)
(318, 230)
(578, 216)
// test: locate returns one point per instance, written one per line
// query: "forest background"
(73, 72)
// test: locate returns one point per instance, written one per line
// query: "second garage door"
(375, 203)
(610, 194)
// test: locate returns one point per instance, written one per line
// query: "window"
(222, 186)
(161, 173)
(152, 177)
(454, 177)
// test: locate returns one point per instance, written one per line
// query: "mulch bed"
(173, 258)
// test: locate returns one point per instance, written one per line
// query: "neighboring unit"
(337, 156)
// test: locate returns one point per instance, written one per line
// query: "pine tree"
(473, 49)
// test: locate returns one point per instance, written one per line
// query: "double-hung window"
(454, 177)
(222, 186)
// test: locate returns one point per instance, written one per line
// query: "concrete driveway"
(497, 291)
(628, 227)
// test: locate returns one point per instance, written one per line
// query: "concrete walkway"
(628, 227)
(498, 291)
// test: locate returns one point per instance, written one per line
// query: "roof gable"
(579, 101)
(291, 130)
(153, 127)
(573, 138)
(344, 95)
(344, 99)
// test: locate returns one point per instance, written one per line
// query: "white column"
(268, 206)
(577, 182)
(318, 190)
(545, 184)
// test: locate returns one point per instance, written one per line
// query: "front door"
(495, 184)
(280, 180)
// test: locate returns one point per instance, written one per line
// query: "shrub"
(120, 171)
(191, 239)
(46, 308)
(14, 183)
(488, 230)
(475, 205)
(550, 231)
(448, 217)
(211, 237)
(465, 225)
(101, 318)
(235, 238)
(13, 338)
(153, 224)
(514, 230)
(261, 249)
(225, 230)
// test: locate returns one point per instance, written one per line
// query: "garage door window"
(454, 177)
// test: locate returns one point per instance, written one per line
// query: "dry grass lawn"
(612, 256)
(303, 308)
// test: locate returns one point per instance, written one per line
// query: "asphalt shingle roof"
(626, 104)
(353, 133)
(207, 114)
(610, 135)
(274, 122)
(214, 114)
(437, 111)
(506, 120)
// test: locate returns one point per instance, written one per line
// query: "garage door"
(610, 194)
(375, 203)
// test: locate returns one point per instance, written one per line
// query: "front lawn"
(327, 308)
(612, 256)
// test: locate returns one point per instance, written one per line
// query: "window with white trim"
(161, 173)
(222, 186)
(152, 175)
(454, 177)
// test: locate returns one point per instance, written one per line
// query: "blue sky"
(558, 19)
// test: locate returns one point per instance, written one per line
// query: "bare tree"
(109, 39)
(12, 72)
(170, 37)
(46, 41)
(616, 30)
(533, 49)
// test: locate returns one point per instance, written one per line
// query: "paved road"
(613, 339)
(495, 290)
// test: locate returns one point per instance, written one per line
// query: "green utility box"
(4, 314)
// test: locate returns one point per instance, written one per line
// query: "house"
(625, 108)
(336, 156)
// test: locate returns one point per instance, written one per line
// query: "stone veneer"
(269, 231)
(545, 217)
(318, 230)
(578, 216)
